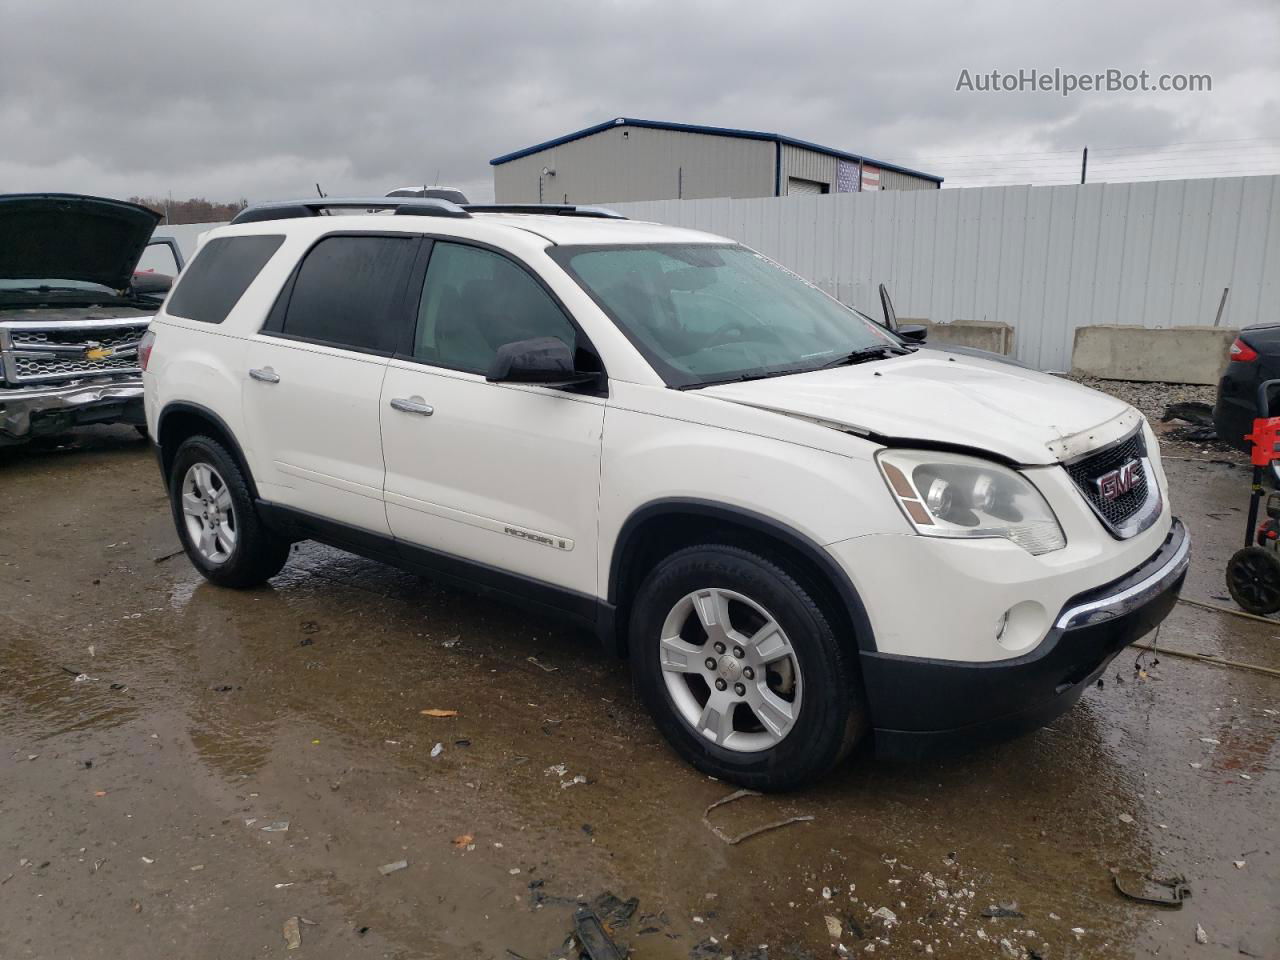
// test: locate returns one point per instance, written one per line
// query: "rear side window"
(219, 275)
(349, 292)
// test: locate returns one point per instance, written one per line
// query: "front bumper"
(920, 706)
(28, 412)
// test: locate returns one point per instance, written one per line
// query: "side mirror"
(543, 360)
(915, 332)
(151, 284)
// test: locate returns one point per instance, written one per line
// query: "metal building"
(627, 159)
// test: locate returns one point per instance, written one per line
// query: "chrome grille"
(54, 366)
(35, 353)
(1132, 511)
(76, 338)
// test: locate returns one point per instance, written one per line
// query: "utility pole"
(1084, 164)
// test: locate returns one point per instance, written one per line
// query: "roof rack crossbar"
(291, 209)
(551, 209)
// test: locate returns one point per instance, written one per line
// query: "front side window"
(219, 275)
(349, 292)
(709, 313)
(473, 302)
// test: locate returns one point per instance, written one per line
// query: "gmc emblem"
(1118, 481)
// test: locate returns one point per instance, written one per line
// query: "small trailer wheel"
(1253, 578)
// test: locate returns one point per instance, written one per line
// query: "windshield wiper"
(861, 355)
(877, 352)
(742, 378)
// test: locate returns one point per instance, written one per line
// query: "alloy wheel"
(730, 670)
(209, 513)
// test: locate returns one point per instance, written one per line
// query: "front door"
(498, 474)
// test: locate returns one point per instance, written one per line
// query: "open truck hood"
(939, 398)
(65, 236)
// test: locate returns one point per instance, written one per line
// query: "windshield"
(706, 313)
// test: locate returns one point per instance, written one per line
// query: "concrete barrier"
(1163, 355)
(982, 334)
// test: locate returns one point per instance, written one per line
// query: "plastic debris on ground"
(885, 914)
(1002, 910)
(1157, 891)
(388, 868)
(594, 938)
(292, 934)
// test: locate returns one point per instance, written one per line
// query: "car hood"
(939, 398)
(65, 236)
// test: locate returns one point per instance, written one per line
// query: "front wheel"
(216, 520)
(741, 669)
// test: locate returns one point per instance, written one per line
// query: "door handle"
(412, 405)
(265, 375)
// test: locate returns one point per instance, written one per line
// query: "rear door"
(314, 376)
(503, 475)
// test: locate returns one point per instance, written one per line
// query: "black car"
(1255, 357)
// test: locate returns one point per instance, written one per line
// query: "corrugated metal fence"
(1044, 260)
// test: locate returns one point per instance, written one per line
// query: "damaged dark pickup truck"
(73, 308)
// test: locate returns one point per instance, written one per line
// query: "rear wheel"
(1253, 578)
(741, 670)
(216, 520)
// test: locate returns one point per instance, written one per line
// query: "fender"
(767, 527)
(198, 410)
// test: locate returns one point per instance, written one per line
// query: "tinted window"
(349, 292)
(217, 278)
(474, 301)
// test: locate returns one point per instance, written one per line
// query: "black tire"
(1253, 579)
(832, 715)
(258, 554)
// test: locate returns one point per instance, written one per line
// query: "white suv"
(801, 529)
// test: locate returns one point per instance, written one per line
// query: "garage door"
(804, 187)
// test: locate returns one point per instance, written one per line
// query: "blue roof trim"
(713, 131)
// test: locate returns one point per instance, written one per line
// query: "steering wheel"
(722, 334)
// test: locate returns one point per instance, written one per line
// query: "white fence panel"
(1044, 260)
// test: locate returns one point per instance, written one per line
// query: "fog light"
(1022, 626)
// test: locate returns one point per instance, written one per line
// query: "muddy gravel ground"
(193, 772)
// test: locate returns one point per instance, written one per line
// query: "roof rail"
(552, 209)
(290, 209)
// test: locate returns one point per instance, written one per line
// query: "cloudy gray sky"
(262, 99)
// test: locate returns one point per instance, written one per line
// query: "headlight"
(949, 495)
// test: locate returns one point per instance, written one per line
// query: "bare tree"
(194, 210)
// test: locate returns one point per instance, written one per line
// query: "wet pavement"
(153, 727)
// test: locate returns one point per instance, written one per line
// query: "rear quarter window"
(217, 278)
